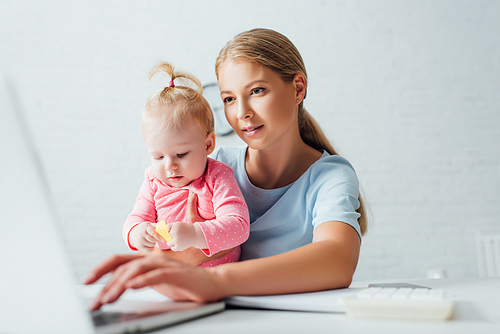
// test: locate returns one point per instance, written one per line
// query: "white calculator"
(406, 303)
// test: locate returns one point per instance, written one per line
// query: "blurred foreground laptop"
(38, 293)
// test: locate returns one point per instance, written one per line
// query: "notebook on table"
(38, 292)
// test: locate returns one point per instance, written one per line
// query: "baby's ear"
(210, 143)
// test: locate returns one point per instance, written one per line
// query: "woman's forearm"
(325, 264)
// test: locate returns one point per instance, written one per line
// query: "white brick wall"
(407, 91)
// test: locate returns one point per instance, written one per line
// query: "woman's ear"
(299, 83)
(210, 143)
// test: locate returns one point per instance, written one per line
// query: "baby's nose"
(171, 165)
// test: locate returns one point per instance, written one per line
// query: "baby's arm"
(231, 227)
(144, 212)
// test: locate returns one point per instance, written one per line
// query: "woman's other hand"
(193, 255)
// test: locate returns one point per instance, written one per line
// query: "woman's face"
(259, 106)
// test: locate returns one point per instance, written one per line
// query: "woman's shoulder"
(327, 161)
(332, 167)
(230, 156)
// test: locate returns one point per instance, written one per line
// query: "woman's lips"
(251, 130)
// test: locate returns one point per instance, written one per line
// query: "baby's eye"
(228, 100)
(158, 158)
(182, 155)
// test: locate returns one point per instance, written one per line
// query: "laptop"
(38, 293)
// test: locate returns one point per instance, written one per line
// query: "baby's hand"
(185, 235)
(143, 237)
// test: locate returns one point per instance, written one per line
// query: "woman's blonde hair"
(183, 103)
(275, 51)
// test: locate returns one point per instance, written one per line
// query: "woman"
(306, 213)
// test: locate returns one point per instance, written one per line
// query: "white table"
(477, 311)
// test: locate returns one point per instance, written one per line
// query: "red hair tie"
(171, 83)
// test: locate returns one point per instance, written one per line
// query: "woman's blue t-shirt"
(284, 219)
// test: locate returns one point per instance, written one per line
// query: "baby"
(177, 126)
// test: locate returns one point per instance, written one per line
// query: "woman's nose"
(244, 110)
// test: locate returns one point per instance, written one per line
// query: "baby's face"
(179, 156)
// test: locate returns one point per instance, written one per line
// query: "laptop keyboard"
(105, 318)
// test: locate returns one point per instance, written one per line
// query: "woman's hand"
(193, 255)
(192, 209)
(177, 280)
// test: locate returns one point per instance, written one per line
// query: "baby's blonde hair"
(173, 105)
(276, 52)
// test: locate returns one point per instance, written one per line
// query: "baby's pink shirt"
(220, 203)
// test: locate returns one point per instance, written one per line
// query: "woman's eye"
(228, 100)
(257, 90)
(182, 155)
